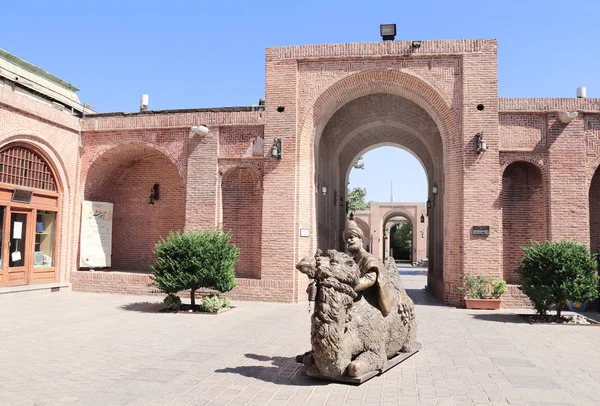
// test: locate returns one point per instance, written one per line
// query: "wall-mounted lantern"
(481, 144)
(422, 218)
(434, 189)
(428, 204)
(153, 194)
(324, 188)
(276, 148)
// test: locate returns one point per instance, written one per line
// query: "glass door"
(18, 247)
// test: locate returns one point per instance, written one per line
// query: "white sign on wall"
(96, 234)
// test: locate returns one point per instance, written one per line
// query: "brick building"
(324, 106)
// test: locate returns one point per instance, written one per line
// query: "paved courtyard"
(89, 349)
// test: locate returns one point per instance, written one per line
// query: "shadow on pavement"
(144, 307)
(282, 371)
(500, 317)
(422, 297)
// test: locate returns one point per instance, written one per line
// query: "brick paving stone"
(116, 356)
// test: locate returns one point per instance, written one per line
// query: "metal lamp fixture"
(481, 144)
(324, 189)
(434, 189)
(416, 44)
(422, 218)
(276, 148)
(153, 194)
(387, 31)
(428, 204)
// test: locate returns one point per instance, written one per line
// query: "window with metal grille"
(23, 167)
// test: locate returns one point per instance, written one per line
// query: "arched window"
(23, 167)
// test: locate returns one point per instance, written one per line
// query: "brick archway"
(125, 176)
(439, 143)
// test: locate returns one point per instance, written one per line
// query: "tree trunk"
(558, 310)
(193, 297)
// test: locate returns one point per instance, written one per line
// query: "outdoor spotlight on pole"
(481, 144)
(434, 189)
(276, 148)
(387, 31)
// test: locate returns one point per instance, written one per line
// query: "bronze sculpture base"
(392, 362)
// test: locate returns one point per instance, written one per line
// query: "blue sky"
(187, 54)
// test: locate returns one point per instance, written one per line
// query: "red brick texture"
(125, 176)
(242, 217)
(340, 100)
(523, 214)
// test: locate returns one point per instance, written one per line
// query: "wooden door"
(18, 238)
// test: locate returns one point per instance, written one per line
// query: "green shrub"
(474, 286)
(194, 260)
(172, 302)
(478, 287)
(555, 272)
(498, 289)
(214, 303)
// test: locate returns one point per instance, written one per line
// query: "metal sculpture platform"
(357, 380)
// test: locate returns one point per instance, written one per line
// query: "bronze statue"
(370, 269)
(362, 314)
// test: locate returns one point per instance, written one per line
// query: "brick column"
(482, 178)
(279, 230)
(202, 181)
(569, 193)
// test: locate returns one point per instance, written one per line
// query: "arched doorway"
(148, 194)
(242, 217)
(524, 214)
(400, 240)
(362, 125)
(29, 217)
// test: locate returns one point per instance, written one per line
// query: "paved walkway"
(89, 349)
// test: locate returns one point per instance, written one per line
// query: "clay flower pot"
(483, 304)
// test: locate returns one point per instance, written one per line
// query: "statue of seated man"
(372, 283)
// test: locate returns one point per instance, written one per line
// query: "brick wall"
(242, 216)
(523, 214)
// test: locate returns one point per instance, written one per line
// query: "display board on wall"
(96, 234)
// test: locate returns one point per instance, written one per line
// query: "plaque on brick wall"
(96, 234)
(481, 230)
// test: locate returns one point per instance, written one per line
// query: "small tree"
(356, 199)
(193, 260)
(555, 272)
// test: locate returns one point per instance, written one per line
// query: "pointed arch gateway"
(29, 216)
(392, 107)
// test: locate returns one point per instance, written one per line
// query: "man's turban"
(353, 229)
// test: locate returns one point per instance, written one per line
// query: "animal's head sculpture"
(333, 265)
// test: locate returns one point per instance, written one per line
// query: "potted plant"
(482, 293)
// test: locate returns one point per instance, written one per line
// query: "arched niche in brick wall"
(524, 213)
(125, 176)
(241, 199)
(594, 210)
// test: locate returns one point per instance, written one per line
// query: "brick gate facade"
(328, 104)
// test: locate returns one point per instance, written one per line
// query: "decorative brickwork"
(241, 142)
(522, 132)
